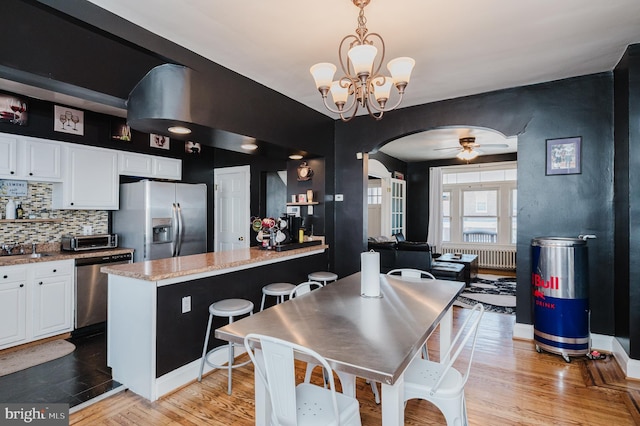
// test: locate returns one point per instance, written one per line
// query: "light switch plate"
(186, 304)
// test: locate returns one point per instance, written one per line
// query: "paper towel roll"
(370, 274)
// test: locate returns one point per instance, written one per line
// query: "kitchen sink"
(35, 255)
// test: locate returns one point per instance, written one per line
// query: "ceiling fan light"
(400, 69)
(362, 57)
(339, 93)
(467, 155)
(323, 74)
(382, 88)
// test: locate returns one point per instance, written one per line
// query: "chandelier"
(362, 85)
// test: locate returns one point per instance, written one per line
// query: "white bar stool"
(279, 290)
(322, 276)
(224, 308)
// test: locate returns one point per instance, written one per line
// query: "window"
(374, 195)
(479, 204)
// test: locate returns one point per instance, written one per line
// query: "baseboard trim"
(600, 342)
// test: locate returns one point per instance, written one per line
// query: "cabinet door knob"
(55, 270)
(30, 173)
(241, 239)
(21, 285)
(6, 276)
(40, 283)
(71, 203)
(12, 172)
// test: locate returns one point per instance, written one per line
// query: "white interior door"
(231, 208)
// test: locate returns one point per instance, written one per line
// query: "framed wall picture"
(68, 120)
(159, 141)
(192, 147)
(564, 156)
(13, 110)
(120, 131)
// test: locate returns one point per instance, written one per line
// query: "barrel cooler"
(560, 288)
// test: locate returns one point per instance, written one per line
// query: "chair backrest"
(468, 330)
(411, 273)
(277, 372)
(304, 288)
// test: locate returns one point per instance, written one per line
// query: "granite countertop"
(53, 255)
(175, 267)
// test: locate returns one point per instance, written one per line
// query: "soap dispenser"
(10, 211)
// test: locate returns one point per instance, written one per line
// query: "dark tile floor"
(73, 379)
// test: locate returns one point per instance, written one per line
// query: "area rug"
(28, 357)
(496, 293)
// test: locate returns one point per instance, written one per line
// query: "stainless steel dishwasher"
(91, 288)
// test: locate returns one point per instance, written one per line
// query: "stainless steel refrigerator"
(161, 219)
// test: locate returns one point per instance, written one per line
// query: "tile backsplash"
(37, 205)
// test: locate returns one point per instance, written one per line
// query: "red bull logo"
(553, 283)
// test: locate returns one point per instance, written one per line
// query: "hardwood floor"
(510, 384)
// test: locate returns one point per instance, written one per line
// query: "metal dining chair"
(411, 273)
(302, 404)
(304, 288)
(441, 384)
(414, 273)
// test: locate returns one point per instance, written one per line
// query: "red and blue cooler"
(560, 288)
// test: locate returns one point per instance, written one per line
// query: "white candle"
(370, 274)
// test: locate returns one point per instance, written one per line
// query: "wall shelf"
(30, 220)
(303, 204)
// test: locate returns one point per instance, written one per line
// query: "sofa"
(414, 255)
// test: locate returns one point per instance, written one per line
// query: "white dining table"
(373, 338)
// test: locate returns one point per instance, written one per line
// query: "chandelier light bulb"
(323, 74)
(400, 69)
(467, 155)
(382, 89)
(362, 58)
(339, 93)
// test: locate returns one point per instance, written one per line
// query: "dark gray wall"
(627, 201)
(547, 205)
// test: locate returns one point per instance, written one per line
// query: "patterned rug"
(496, 293)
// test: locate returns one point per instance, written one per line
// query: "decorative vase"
(309, 196)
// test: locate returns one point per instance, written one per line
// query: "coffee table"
(470, 262)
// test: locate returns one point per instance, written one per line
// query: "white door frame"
(377, 169)
(245, 235)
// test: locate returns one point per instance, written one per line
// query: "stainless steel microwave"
(89, 242)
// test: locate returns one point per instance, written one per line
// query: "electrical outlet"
(339, 197)
(186, 304)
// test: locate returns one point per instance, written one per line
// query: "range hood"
(175, 95)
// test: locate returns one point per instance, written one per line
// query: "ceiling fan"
(468, 147)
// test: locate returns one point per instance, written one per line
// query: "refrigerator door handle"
(180, 229)
(176, 230)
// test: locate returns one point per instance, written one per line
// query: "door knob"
(241, 239)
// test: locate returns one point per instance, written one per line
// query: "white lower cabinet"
(52, 295)
(36, 301)
(13, 305)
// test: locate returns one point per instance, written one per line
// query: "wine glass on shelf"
(75, 119)
(63, 119)
(15, 106)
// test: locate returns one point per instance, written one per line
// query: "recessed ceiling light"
(249, 146)
(295, 157)
(180, 130)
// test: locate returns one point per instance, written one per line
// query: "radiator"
(489, 258)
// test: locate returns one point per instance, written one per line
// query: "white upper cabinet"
(24, 158)
(151, 166)
(42, 160)
(90, 179)
(8, 156)
(167, 168)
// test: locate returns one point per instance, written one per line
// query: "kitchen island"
(158, 310)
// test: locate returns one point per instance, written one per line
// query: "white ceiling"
(461, 47)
